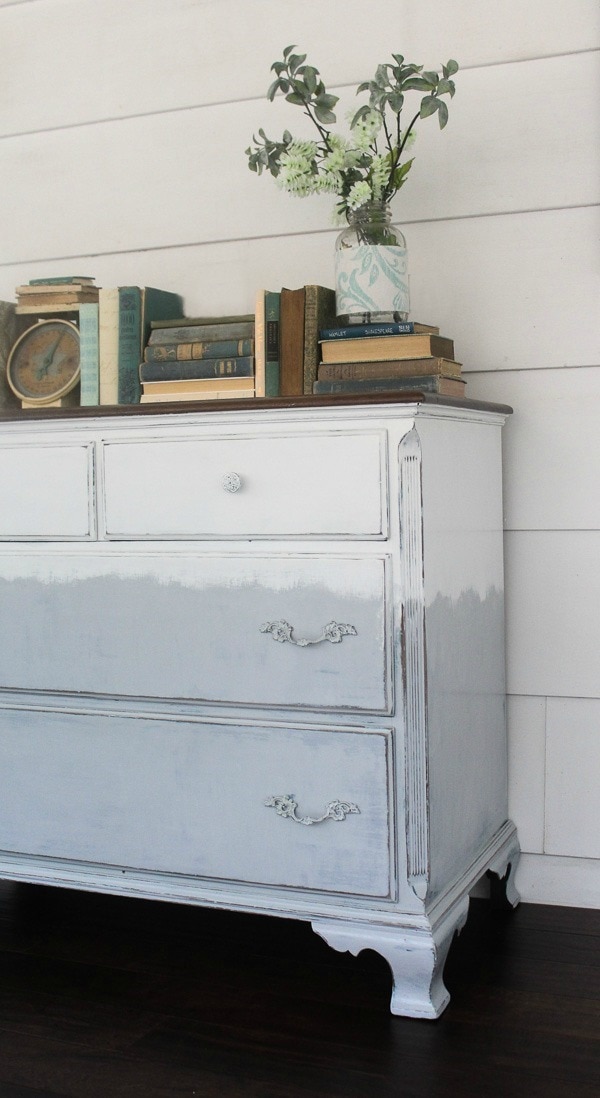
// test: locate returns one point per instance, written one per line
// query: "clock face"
(44, 362)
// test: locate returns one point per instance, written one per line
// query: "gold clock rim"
(58, 393)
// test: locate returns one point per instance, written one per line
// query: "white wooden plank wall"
(123, 125)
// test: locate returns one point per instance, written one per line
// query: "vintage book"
(260, 343)
(62, 280)
(203, 368)
(272, 336)
(55, 289)
(184, 352)
(58, 305)
(89, 354)
(358, 331)
(11, 327)
(138, 305)
(108, 344)
(197, 321)
(319, 310)
(378, 348)
(291, 342)
(193, 394)
(432, 383)
(197, 333)
(267, 342)
(393, 367)
(201, 385)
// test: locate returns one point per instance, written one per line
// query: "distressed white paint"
(142, 682)
(303, 486)
(46, 491)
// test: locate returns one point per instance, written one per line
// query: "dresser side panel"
(464, 639)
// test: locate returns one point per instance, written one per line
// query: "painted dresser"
(253, 658)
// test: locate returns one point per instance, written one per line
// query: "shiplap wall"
(123, 125)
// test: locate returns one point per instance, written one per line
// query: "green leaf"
(360, 114)
(431, 78)
(445, 87)
(416, 83)
(310, 78)
(450, 68)
(325, 116)
(429, 105)
(278, 67)
(295, 98)
(295, 61)
(398, 58)
(327, 101)
(273, 90)
(288, 50)
(442, 114)
(396, 101)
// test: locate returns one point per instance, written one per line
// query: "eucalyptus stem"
(353, 168)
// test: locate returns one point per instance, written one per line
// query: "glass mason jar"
(371, 268)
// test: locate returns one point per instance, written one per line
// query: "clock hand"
(49, 357)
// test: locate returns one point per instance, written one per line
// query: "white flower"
(359, 194)
(296, 165)
(379, 175)
(366, 129)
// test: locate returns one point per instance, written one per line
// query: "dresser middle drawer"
(293, 630)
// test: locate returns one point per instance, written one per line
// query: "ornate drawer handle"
(285, 805)
(232, 482)
(282, 631)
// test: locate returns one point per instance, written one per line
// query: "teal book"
(195, 369)
(89, 353)
(272, 316)
(138, 306)
(198, 333)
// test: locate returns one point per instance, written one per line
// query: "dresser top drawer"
(303, 485)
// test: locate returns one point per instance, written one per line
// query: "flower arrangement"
(368, 165)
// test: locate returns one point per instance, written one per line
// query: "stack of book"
(199, 358)
(53, 296)
(395, 357)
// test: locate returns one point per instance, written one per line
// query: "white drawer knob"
(232, 482)
(285, 805)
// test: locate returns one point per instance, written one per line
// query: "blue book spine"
(89, 354)
(358, 330)
(196, 370)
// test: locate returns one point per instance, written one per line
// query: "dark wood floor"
(102, 996)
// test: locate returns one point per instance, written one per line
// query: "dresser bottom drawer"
(293, 807)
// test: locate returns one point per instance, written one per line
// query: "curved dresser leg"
(416, 957)
(504, 868)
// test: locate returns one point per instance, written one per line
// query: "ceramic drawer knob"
(232, 482)
(282, 631)
(285, 805)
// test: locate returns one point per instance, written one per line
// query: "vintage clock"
(43, 365)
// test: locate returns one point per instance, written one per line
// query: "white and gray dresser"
(253, 658)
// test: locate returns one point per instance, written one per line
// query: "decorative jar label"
(371, 278)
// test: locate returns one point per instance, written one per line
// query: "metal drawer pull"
(285, 805)
(282, 631)
(232, 482)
